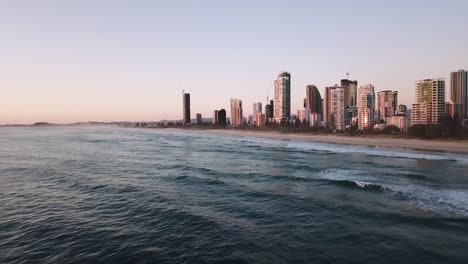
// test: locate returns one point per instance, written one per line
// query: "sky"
(82, 60)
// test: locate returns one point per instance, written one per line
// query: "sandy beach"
(417, 144)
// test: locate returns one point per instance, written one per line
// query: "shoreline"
(456, 147)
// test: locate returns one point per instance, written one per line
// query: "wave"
(407, 154)
(444, 201)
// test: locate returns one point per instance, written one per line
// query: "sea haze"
(119, 195)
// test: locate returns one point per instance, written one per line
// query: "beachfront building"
(315, 120)
(350, 100)
(313, 100)
(257, 109)
(327, 106)
(459, 94)
(337, 109)
(430, 102)
(304, 116)
(236, 112)
(366, 108)
(221, 118)
(400, 121)
(199, 119)
(215, 117)
(260, 119)
(185, 108)
(282, 110)
(387, 102)
(269, 110)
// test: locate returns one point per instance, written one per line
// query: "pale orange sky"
(71, 61)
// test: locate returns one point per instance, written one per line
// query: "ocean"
(123, 195)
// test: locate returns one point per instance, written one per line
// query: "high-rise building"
(459, 93)
(186, 108)
(282, 110)
(260, 119)
(430, 102)
(313, 100)
(387, 102)
(350, 98)
(269, 110)
(257, 109)
(327, 106)
(221, 117)
(215, 117)
(199, 119)
(236, 112)
(366, 107)
(337, 109)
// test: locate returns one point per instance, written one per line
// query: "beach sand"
(374, 141)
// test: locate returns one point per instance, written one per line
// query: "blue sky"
(66, 61)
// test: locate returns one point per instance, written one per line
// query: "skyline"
(82, 61)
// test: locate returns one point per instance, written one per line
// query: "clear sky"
(68, 61)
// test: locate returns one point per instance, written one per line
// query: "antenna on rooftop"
(347, 74)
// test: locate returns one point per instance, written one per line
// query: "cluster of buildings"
(349, 105)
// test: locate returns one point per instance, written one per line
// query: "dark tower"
(186, 110)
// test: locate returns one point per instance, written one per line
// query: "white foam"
(409, 154)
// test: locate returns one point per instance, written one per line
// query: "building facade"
(313, 100)
(459, 93)
(215, 117)
(257, 109)
(304, 116)
(366, 107)
(327, 106)
(350, 97)
(236, 112)
(387, 102)
(400, 121)
(337, 115)
(430, 102)
(269, 110)
(221, 117)
(199, 119)
(260, 119)
(186, 108)
(282, 109)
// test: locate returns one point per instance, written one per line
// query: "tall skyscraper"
(430, 102)
(222, 117)
(366, 107)
(337, 109)
(199, 119)
(269, 110)
(459, 93)
(387, 102)
(186, 108)
(327, 106)
(257, 109)
(282, 108)
(215, 117)
(236, 112)
(350, 98)
(313, 100)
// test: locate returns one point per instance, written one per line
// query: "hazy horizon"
(76, 61)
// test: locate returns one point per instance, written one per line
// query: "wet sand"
(375, 141)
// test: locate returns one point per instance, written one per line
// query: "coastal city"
(349, 107)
